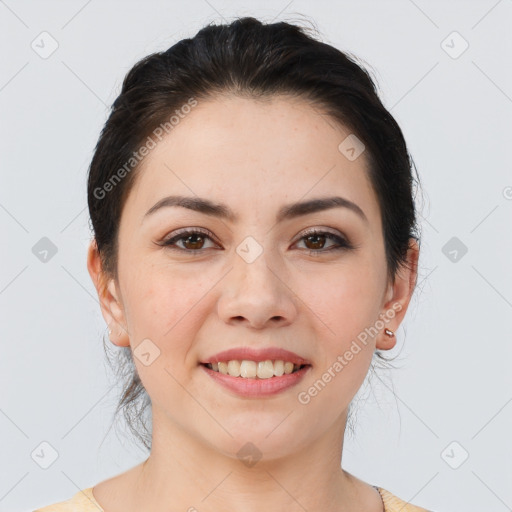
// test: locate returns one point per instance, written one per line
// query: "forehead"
(252, 153)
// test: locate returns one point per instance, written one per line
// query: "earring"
(389, 333)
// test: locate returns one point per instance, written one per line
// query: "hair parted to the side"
(255, 60)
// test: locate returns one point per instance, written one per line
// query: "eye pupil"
(317, 237)
(185, 241)
(316, 243)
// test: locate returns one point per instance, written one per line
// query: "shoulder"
(393, 503)
(82, 501)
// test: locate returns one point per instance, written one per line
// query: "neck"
(184, 471)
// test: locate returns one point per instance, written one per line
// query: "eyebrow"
(286, 212)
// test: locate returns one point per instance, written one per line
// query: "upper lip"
(252, 354)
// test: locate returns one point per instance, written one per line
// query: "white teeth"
(252, 369)
(288, 367)
(234, 368)
(278, 368)
(248, 369)
(265, 369)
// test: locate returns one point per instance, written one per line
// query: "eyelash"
(343, 244)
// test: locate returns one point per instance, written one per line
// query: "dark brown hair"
(255, 60)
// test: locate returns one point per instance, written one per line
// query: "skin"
(254, 156)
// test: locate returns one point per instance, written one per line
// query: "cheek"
(349, 300)
(164, 315)
(160, 291)
(347, 346)
(162, 304)
(349, 304)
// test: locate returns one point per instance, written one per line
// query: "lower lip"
(257, 387)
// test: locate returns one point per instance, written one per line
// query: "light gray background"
(454, 381)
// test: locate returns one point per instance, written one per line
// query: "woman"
(254, 248)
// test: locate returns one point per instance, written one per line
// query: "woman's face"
(258, 280)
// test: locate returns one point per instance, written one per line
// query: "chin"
(268, 439)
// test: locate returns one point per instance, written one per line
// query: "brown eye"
(315, 242)
(192, 241)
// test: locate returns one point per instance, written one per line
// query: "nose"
(256, 294)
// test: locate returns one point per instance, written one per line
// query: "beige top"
(83, 501)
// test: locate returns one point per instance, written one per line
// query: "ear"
(108, 294)
(398, 296)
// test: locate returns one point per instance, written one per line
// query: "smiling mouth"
(246, 369)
